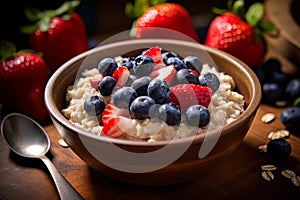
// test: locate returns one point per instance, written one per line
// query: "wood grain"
(236, 176)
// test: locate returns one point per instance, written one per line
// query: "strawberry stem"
(42, 19)
(137, 9)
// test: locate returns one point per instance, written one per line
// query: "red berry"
(121, 75)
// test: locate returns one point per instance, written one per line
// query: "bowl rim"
(59, 117)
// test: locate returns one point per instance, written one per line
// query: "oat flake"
(288, 173)
(63, 143)
(262, 148)
(268, 167)
(267, 118)
(296, 180)
(267, 175)
(278, 134)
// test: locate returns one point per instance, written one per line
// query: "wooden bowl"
(157, 163)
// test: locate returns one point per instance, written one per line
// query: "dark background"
(101, 17)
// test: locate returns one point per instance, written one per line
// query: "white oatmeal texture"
(226, 105)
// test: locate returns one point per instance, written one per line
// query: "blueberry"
(177, 62)
(272, 92)
(271, 65)
(168, 54)
(106, 85)
(193, 62)
(197, 115)
(185, 76)
(170, 113)
(290, 117)
(127, 62)
(130, 80)
(107, 66)
(143, 65)
(212, 81)
(159, 91)
(279, 149)
(123, 97)
(202, 80)
(278, 77)
(94, 105)
(292, 89)
(141, 85)
(260, 75)
(140, 107)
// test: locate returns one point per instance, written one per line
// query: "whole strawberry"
(240, 33)
(23, 77)
(160, 15)
(59, 34)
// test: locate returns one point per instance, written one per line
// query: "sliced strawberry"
(155, 54)
(186, 95)
(121, 75)
(166, 73)
(112, 111)
(111, 128)
(117, 126)
(94, 82)
(195, 72)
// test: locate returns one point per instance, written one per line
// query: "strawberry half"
(112, 111)
(186, 95)
(121, 75)
(166, 73)
(155, 54)
(117, 126)
(94, 82)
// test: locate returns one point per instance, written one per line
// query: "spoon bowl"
(27, 138)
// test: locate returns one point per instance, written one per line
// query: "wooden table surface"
(236, 176)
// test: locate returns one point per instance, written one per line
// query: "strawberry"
(155, 54)
(166, 73)
(23, 77)
(117, 126)
(121, 75)
(186, 95)
(158, 14)
(59, 34)
(240, 34)
(111, 111)
(94, 82)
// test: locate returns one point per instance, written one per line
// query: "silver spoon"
(27, 138)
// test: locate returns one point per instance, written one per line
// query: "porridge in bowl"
(154, 96)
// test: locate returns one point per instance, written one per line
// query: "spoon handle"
(64, 188)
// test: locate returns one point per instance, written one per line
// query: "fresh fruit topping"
(111, 128)
(94, 82)
(107, 66)
(59, 34)
(141, 85)
(94, 105)
(111, 111)
(107, 85)
(197, 115)
(158, 14)
(186, 95)
(292, 89)
(121, 75)
(159, 91)
(130, 80)
(168, 54)
(143, 65)
(23, 77)
(123, 97)
(272, 92)
(193, 63)
(279, 149)
(155, 54)
(170, 113)
(140, 107)
(212, 81)
(127, 62)
(177, 62)
(166, 73)
(240, 33)
(186, 76)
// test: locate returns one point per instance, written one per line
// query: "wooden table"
(237, 176)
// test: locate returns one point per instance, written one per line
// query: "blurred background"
(102, 18)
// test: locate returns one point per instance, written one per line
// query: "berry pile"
(278, 88)
(155, 85)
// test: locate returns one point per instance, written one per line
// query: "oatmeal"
(224, 105)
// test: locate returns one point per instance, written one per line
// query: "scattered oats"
(268, 167)
(296, 180)
(267, 175)
(63, 143)
(288, 173)
(278, 134)
(262, 148)
(281, 103)
(267, 118)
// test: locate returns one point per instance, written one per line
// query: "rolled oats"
(288, 173)
(267, 175)
(278, 134)
(63, 143)
(268, 167)
(296, 180)
(267, 118)
(262, 148)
